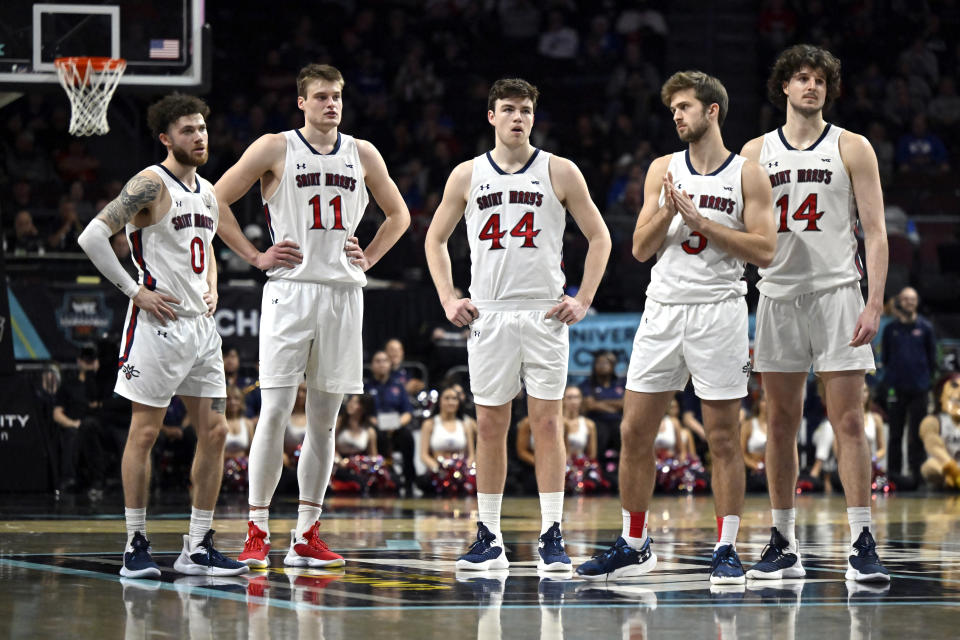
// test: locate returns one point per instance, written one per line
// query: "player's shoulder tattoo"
(139, 191)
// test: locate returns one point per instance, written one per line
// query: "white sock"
(634, 527)
(200, 522)
(266, 448)
(307, 514)
(729, 526)
(488, 509)
(785, 522)
(261, 518)
(858, 517)
(136, 521)
(551, 510)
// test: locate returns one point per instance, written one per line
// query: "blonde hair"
(313, 72)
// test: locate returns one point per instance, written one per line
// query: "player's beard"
(694, 132)
(185, 157)
(805, 111)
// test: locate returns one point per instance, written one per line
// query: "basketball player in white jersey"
(314, 183)
(706, 213)
(170, 342)
(514, 199)
(811, 311)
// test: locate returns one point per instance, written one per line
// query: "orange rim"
(97, 63)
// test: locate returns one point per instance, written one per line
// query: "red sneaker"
(309, 550)
(255, 547)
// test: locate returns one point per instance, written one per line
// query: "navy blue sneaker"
(485, 553)
(866, 565)
(553, 557)
(619, 561)
(137, 562)
(725, 567)
(206, 560)
(777, 561)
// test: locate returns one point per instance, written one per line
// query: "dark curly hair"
(796, 58)
(512, 88)
(170, 108)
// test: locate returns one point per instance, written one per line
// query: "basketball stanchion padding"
(89, 83)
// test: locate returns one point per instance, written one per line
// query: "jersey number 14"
(806, 211)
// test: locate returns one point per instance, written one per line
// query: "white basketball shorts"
(513, 340)
(159, 361)
(314, 329)
(811, 329)
(708, 341)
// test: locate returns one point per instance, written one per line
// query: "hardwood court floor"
(59, 563)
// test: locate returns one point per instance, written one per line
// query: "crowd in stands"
(408, 435)
(417, 80)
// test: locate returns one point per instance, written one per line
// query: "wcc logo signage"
(83, 316)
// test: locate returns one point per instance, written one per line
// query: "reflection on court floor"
(58, 577)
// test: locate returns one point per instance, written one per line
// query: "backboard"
(164, 42)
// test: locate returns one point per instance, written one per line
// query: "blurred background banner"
(602, 332)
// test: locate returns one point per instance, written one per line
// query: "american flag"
(164, 49)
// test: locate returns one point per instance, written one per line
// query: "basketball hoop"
(89, 83)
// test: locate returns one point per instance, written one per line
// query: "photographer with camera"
(77, 412)
(908, 353)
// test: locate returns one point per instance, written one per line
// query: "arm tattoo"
(136, 194)
(219, 405)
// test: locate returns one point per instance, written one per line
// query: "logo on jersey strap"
(130, 371)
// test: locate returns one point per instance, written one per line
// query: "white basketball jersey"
(515, 229)
(318, 204)
(171, 254)
(950, 432)
(815, 213)
(689, 268)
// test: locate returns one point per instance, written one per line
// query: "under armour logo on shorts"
(747, 368)
(161, 333)
(275, 300)
(476, 334)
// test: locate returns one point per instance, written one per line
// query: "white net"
(89, 83)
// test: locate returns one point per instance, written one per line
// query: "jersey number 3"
(806, 211)
(523, 229)
(337, 205)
